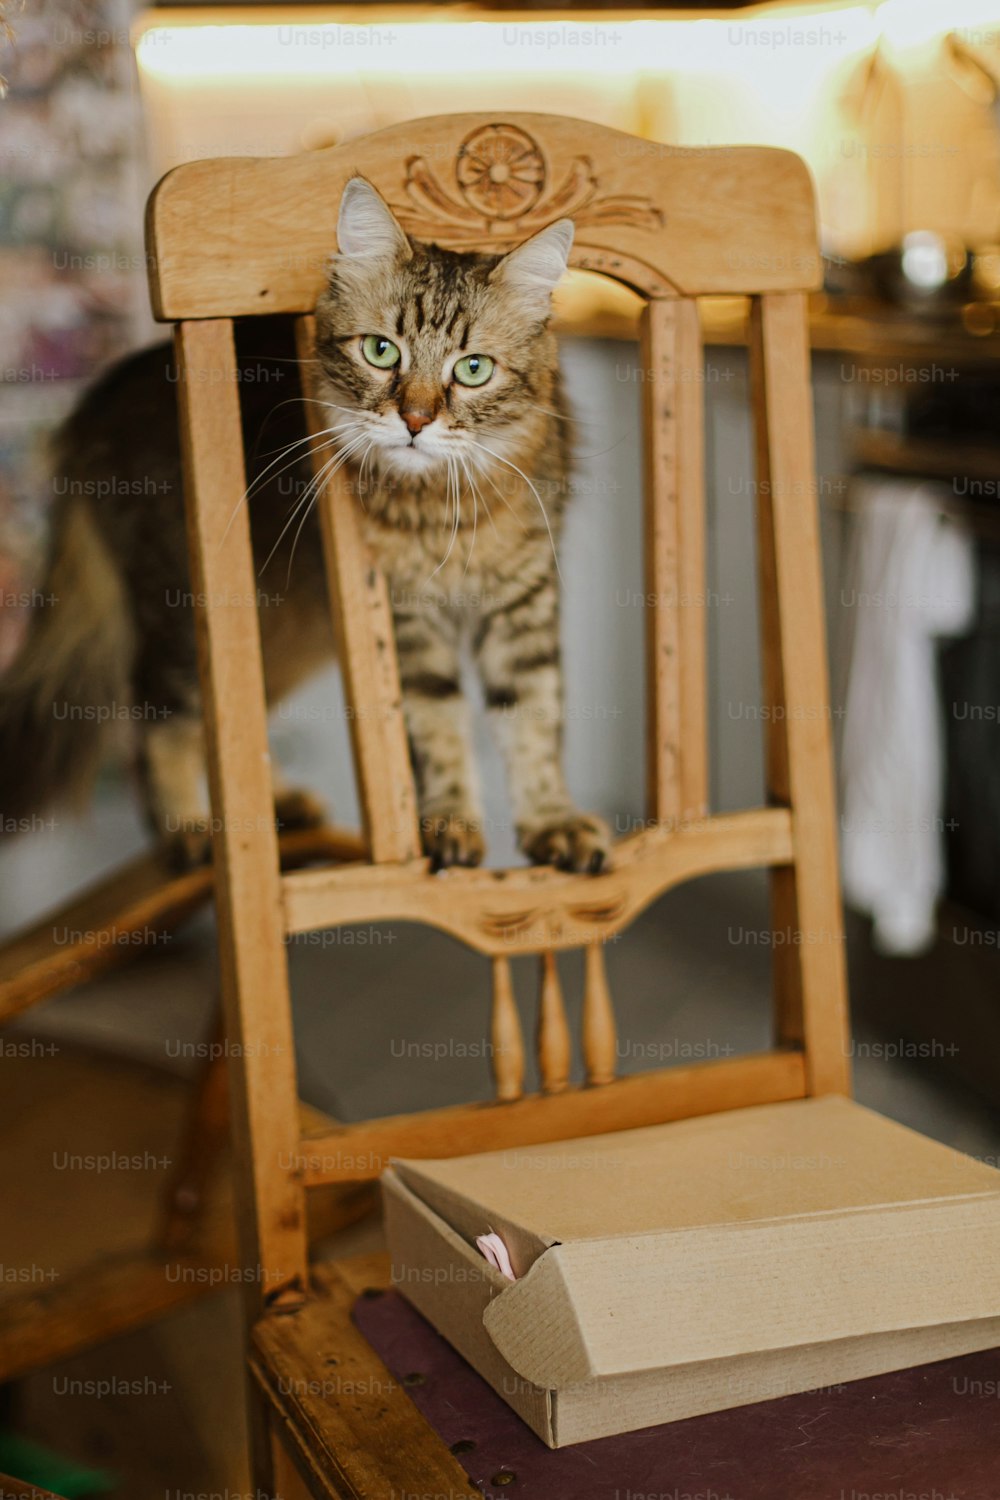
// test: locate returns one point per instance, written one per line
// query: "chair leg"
(288, 1482)
(263, 1445)
(205, 1134)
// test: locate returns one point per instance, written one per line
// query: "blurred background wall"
(72, 269)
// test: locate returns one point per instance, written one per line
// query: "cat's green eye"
(473, 369)
(380, 352)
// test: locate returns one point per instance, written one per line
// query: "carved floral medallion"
(501, 191)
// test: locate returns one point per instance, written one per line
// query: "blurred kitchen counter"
(591, 307)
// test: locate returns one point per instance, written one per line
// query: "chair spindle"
(506, 1036)
(553, 1030)
(600, 1036)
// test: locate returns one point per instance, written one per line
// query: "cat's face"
(431, 358)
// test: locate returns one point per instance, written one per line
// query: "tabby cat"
(440, 389)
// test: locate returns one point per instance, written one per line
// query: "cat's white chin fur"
(410, 458)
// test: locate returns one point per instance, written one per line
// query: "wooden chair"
(235, 238)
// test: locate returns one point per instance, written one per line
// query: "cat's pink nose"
(416, 421)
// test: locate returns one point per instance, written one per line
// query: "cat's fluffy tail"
(69, 683)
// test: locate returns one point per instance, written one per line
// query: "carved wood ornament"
(502, 182)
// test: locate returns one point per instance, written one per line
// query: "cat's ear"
(534, 268)
(367, 228)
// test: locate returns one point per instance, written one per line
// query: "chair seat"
(348, 1423)
(354, 1425)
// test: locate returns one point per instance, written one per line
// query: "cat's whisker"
(359, 482)
(475, 524)
(482, 469)
(313, 401)
(282, 359)
(361, 473)
(447, 518)
(478, 491)
(309, 494)
(477, 494)
(320, 479)
(323, 478)
(562, 416)
(304, 500)
(270, 452)
(289, 447)
(599, 452)
(373, 448)
(531, 487)
(458, 512)
(318, 451)
(332, 405)
(334, 431)
(352, 436)
(259, 479)
(296, 401)
(306, 401)
(453, 501)
(458, 503)
(476, 465)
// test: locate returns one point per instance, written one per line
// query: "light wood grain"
(692, 585)
(356, 1152)
(287, 1477)
(122, 1292)
(525, 910)
(552, 1039)
(786, 975)
(362, 618)
(811, 976)
(250, 235)
(661, 563)
(600, 1035)
(671, 368)
(506, 1037)
(113, 921)
(105, 925)
(245, 845)
(370, 1443)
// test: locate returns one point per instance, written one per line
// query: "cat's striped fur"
(463, 490)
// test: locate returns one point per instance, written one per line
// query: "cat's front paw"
(295, 807)
(579, 842)
(452, 839)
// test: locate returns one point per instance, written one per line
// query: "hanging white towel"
(911, 582)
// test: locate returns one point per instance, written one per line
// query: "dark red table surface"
(931, 1433)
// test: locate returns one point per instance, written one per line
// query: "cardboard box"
(708, 1263)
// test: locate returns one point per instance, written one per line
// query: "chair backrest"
(239, 237)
